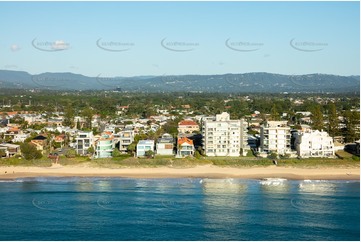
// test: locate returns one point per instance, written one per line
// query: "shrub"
(30, 152)
(273, 155)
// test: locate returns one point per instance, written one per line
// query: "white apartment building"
(314, 143)
(276, 137)
(223, 136)
(83, 142)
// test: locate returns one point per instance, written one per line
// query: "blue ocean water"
(178, 209)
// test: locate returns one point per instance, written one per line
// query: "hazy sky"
(157, 38)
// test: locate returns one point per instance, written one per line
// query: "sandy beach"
(206, 171)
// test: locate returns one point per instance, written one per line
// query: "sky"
(176, 38)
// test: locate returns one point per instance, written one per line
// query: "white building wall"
(224, 137)
(314, 144)
(276, 137)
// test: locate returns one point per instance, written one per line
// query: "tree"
(352, 120)
(132, 147)
(275, 116)
(116, 152)
(30, 152)
(317, 118)
(68, 116)
(88, 114)
(91, 150)
(332, 120)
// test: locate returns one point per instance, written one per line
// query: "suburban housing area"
(175, 132)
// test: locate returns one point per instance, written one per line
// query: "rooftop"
(187, 122)
(146, 142)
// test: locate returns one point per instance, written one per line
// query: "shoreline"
(205, 171)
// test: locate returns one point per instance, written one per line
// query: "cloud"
(15, 47)
(60, 45)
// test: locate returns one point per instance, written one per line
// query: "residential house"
(55, 122)
(60, 140)
(143, 146)
(104, 146)
(165, 145)
(187, 127)
(314, 143)
(11, 133)
(276, 137)
(126, 137)
(224, 137)
(20, 138)
(40, 142)
(185, 147)
(83, 142)
(10, 149)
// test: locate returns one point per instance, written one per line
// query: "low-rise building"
(40, 142)
(165, 145)
(20, 138)
(10, 149)
(143, 146)
(314, 143)
(83, 142)
(185, 147)
(125, 137)
(187, 127)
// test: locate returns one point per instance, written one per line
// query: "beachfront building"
(126, 137)
(276, 137)
(144, 146)
(165, 145)
(187, 127)
(40, 142)
(224, 137)
(185, 147)
(10, 150)
(104, 146)
(83, 142)
(314, 143)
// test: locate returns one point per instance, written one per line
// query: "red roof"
(185, 140)
(187, 122)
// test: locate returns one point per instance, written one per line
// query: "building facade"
(314, 143)
(224, 137)
(165, 145)
(276, 137)
(143, 146)
(104, 146)
(83, 142)
(126, 137)
(187, 127)
(185, 147)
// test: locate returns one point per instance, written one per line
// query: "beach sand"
(206, 171)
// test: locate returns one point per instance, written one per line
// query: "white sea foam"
(317, 186)
(273, 181)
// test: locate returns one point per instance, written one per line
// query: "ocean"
(178, 209)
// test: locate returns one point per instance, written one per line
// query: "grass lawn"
(347, 161)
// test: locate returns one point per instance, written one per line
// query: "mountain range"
(226, 83)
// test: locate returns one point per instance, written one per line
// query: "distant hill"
(227, 83)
